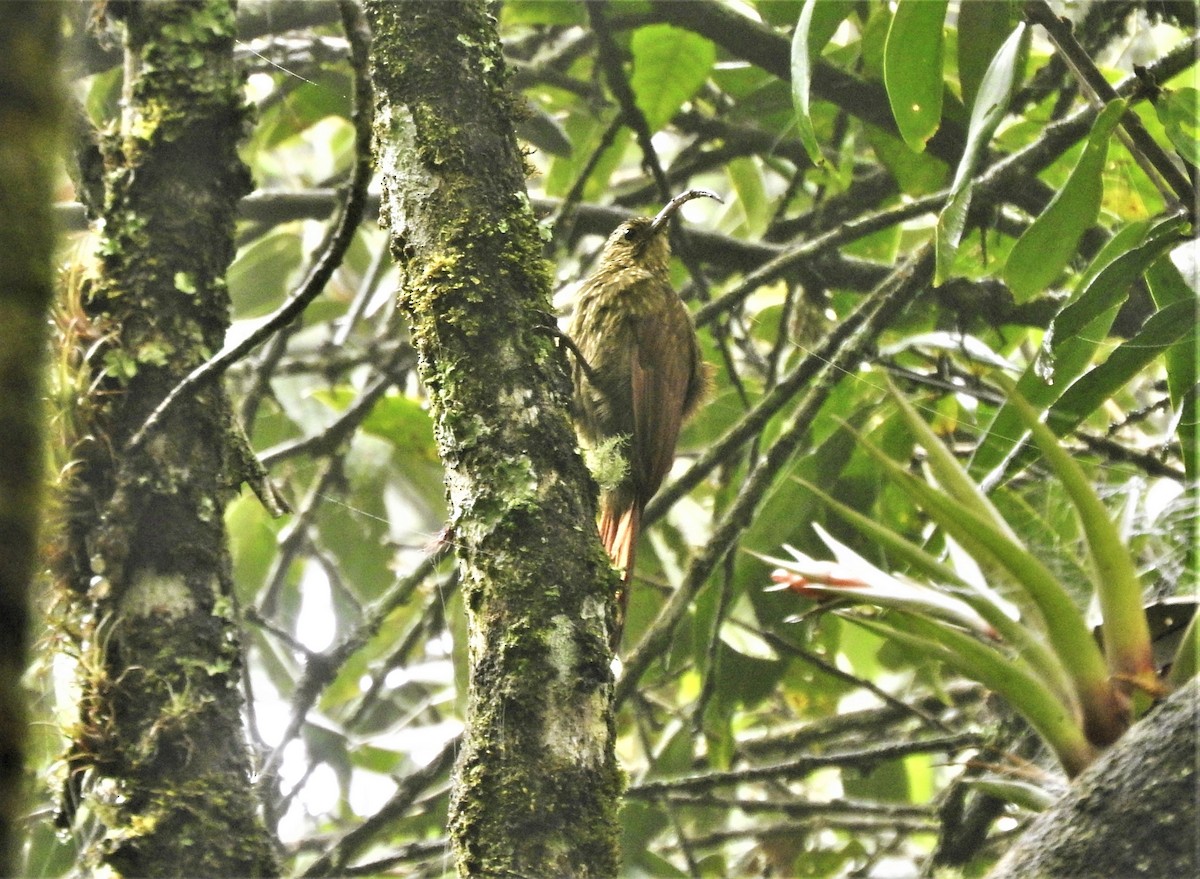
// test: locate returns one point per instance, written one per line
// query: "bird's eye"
(630, 233)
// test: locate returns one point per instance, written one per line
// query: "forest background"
(352, 549)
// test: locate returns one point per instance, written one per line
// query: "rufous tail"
(619, 534)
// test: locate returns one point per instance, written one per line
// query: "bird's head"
(642, 241)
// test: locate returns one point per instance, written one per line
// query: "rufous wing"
(662, 372)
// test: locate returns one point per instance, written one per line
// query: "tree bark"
(31, 102)
(1132, 813)
(159, 756)
(537, 782)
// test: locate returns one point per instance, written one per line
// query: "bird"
(638, 374)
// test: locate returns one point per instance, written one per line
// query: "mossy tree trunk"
(159, 753)
(30, 108)
(1134, 812)
(537, 785)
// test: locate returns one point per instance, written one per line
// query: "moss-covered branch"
(537, 780)
(158, 755)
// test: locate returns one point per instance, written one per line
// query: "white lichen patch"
(579, 734)
(154, 594)
(607, 462)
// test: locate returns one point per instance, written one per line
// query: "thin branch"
(334, 860)
(1145, 149)
(610, 60)
(333, 249)
(791, 770)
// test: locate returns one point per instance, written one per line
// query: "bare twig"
(1145, 149)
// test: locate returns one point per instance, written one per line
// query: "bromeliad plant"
(1037, 651)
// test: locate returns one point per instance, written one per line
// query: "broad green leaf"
(991, 103)
(917, 173)
(669, 66)
(259, 276)
(1179, 112)
(542, 12)
(1049, 243)
(819, 19)
(912, 68)
(983, 26)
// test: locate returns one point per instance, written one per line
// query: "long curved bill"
(664, 216)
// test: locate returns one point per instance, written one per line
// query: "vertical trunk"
(159, 752)
(30, 109)
(537, 784)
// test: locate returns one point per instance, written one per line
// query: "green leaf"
(1126, 632)
(1010, 678)
(991, 104)
(819, 19)
(752, 198)
(1019, 793)
(1173, 326)
(983, 26)
(543, 131)
(950, 475)
(1169, 289)
(1049, 243)
(1109, 288)
(1179, 113)
(1020, 636)
(259, 277)
(516, 12)
(917, 173)
(1188, 655)
(669, 66)
(912, 68)
(1065, 628)
(1066, 353)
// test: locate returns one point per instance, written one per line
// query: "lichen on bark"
(158, 755)
(536, 794)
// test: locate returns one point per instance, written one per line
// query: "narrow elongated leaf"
(1126, 632)
(1066, 354)
(1028, 694)
(950, 474)
(1110, 287)
(1002, 77)
(1064, 625)
(1179, 112)
(1022, 638)
(669, 66)
(1173, 325)
(1168, 289)
(1188, 655)
(1049, 243)
(983, 26)
(819, 19)
(912, 68)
